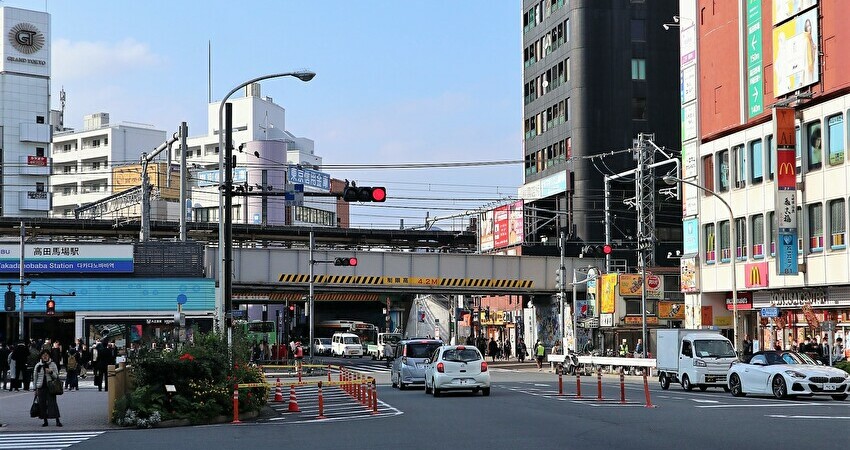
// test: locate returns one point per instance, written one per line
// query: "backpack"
(72, 362)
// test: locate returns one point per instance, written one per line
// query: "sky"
(417, 81)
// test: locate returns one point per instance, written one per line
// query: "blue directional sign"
(786, 253)
(770, 312)
(181, 299)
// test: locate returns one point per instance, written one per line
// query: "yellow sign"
(496, 318)
(127, 177)
(636, 320)
(671, 310)
(631, 286)
(723, 321)
(608, 293)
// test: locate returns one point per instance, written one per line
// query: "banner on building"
(796, 57)
(688, 276)
(671, 310)
(631, 285)
(67, 258)
(784, 123)
(608, 294)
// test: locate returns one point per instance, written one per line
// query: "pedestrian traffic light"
(353, 193)
(50, 306)
(10, 300)
(345, 261)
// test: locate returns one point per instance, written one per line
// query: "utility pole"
(21, 281)
(562, 293)
(226, 218)
(184, 131)
(309, 308)
(645, 194)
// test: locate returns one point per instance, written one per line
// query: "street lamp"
(671, 180)
(224, 226)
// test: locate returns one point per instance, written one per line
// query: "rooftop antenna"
(62, 110)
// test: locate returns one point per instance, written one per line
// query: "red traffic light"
(345, 261)
(607, 249)
(292, 308)
(379, 194)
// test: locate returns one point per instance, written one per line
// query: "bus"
(367, 332)
(258, 331)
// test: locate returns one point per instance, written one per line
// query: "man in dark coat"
(4, 363)
(98, 362)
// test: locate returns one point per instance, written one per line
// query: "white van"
(346, 344)
(694, 358)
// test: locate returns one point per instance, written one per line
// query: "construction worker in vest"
(624, 349)
(299, 355)
(539, 352)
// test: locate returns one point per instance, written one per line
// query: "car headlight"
(795, 374)
(699, 363)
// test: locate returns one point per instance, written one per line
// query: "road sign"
(653, 282)
(237, 314)
(181, 299)
(770, 312)
(754, 59)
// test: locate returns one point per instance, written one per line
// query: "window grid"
(710, 252)
(816, 228)
(837, 225)
(725, 250)
(758, 236)
(741, 238)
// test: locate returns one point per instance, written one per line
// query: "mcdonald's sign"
(786, 174)
(756, 275)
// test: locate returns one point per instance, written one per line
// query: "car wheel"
(665, 382)
(686, 383)
(485, 392)
(427, 389)
(374, 357)
(401, 385)
(475, 390)
(436, 392)
(703, 388)
(840, 397)
(735, 386)
(780, 390)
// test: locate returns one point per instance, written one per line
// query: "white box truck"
(694, 358)
(377, 350)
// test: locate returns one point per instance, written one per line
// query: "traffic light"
(559, 279)
(353, 193)
(50, 306)
(345, 262)
(596, 251)
(10, 300)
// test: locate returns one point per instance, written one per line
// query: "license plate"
(830, 387)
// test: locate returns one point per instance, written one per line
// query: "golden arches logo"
(786, 169)
(755, 276)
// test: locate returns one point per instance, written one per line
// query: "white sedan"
(784, 374)
(456, 367)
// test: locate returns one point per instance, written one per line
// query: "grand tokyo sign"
(27, 39)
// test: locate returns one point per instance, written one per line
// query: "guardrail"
(588, 363)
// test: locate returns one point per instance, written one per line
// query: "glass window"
(638, 30)
(725, 250)
(708, 173)
(756, 162)
(816, 228)
(638, 108)
(771, 161)
(758, 236)
(837, 224)
(740, 166)
(814, 143)
(798, 146)
(710, 255)
(771, 222)
(741, 238)
(638, 69)
(835, 139)
(723, 170)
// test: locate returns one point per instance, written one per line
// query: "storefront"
(802, 313)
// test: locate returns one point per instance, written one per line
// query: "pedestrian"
(624, 349)
(506, 349)
(46, 372)
(838, 350)
(18, 366)
(5, 353)
(539, 352)
(748, 345)
(824, 348)
(111, 357)
(100, 358)
(32, 360)
(639, 349)
(72, 369)
(56, 354)
(493, 349)
(520, 350)
(556, 350)
(388, 353)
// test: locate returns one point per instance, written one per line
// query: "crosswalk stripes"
(368, 368)
(44, 440)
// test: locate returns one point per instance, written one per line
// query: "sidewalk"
(83, 410)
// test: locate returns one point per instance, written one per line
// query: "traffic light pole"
(21, 281)
(310, 312)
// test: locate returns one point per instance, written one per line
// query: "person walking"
(838, 350)
(46, 372)
(520, 350)
(506, 350)
(539, 352)
(388, 353)
(72, 370)
(99, 358)
(4, 363)
(19, 366)
(493, 349)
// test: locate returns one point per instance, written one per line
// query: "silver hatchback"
(408, 367)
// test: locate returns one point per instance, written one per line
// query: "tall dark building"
(596, 73)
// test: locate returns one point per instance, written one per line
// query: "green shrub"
(844, 365)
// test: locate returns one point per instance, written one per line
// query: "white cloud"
(82, 59)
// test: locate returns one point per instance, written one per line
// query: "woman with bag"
(47, 387)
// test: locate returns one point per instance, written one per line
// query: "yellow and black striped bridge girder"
(362, 280)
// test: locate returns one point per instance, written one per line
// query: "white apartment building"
(84, 161)
(269, 157)
(24, 113)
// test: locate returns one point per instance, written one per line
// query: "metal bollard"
(560, 384)
(646, 391)
(236, 404)
(599, 384)
(578, 385)
(368, 396)
(374, 397)
(329, 372)
(360, 390)
(340, 373)
(321, 403)
(622, 388)
(299, 373)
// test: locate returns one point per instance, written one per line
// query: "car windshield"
(714, 348)
(461, 355)
(392, 339)
(325, 341)
(789, 358)
(421, 350)
(351, 340)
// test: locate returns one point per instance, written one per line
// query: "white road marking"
(762, 405)
(780, 416)
(699, 400)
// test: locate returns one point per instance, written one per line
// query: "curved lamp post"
(225, 282)
(671, 180)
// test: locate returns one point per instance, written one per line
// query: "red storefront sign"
(745, 300)
(37, 161)
(756, 275)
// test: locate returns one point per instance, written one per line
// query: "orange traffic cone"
(278, 394)
(293, 402)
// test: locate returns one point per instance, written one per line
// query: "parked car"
(784, 374)
(457, 367)
(408, 367)
(346, 344)
(322, 346)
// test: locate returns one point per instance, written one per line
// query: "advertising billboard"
(689, 281)
(671, 310)
(608, 293)
(756, 275)
(127, 177)
(308, 177)
(785, 9)
(485, 231)
(502, 227)
(631, 286)
(795, 53)
(26, 42)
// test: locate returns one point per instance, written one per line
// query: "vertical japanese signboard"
(786, 191)
(755, 96)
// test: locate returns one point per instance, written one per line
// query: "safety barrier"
(599, 394)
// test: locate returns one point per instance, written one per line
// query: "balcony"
(34, 165)
(35, 201)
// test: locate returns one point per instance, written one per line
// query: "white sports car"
(784, 374)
